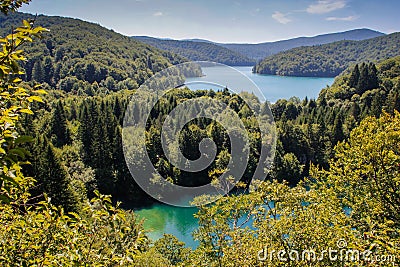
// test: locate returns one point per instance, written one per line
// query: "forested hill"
(262, 50)
(87, 58)
(329, 60)
(199, 51)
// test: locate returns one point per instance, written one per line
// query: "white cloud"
(158, 14)
(349, 18)
(281, 18)
(326, 6)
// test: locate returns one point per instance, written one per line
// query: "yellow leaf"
(26, 23)
(27, 111)
(35, 98)
(40, 91)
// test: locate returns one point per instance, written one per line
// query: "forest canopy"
(87, 59)
(199, 51)
(329, 60)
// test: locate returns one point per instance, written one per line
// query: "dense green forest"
(262, 50)
(335, 174)
(199, 51)
(329, 60)
(87, 59)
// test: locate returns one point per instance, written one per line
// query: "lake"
(161, 218)
(273, 87)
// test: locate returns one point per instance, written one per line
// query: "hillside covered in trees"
(87, 59)
(329, 60)
(199, 51)
(262, 50)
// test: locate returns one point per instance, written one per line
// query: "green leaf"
(17, 151)
(23, 139)
(5, 199)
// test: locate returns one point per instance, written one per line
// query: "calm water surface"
(272, 87)
(161, 218)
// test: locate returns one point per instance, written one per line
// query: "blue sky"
(244, 21)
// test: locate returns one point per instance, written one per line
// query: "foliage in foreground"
(42, 234)
(45, 236)
(355, 201)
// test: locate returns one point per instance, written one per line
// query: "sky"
(228, 21)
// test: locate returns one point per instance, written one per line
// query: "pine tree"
(362, 84)
(59, 127)
(57, 73)
(52, 177)
(38, 72)
(376, 105)
(118, 110)
(373, 81)
(337, 132)
(354, 77)
(305, 101)
(48, 70)
(100, 147)
(118, 154)
(85, 132)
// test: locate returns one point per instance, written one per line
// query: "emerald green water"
(161, 218)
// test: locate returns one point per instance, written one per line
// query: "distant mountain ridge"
(199, 40)
(198, 51)
(262, 50)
